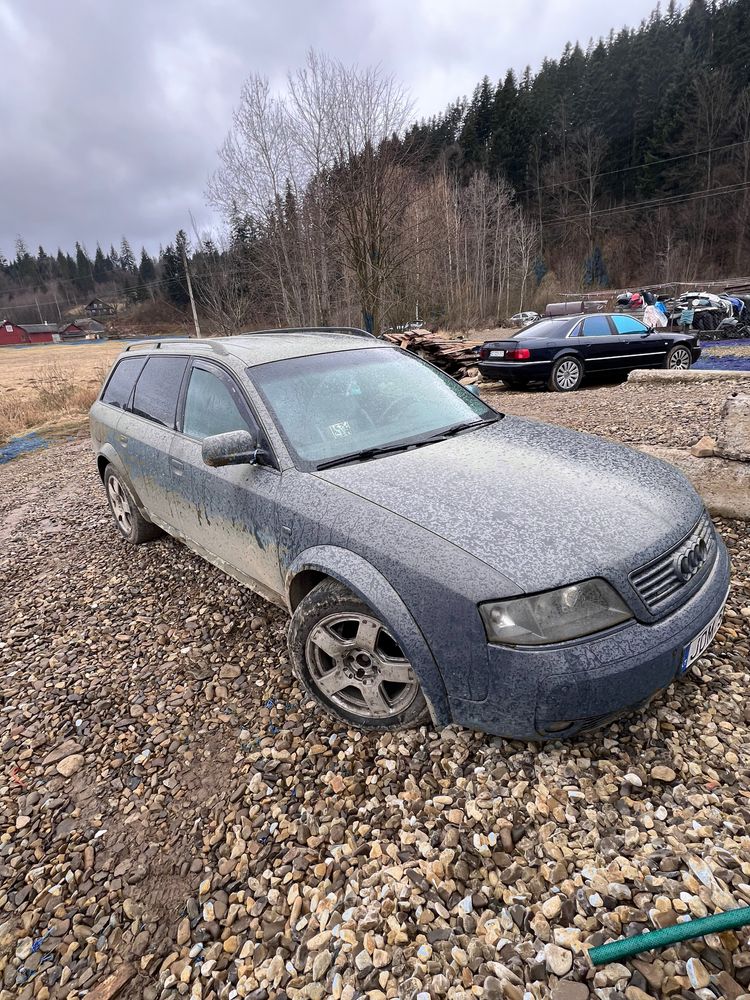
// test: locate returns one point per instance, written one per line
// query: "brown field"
(50, 387)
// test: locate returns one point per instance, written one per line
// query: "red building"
(30, 333)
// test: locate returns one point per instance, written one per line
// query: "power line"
(637, 166)
(676, 199)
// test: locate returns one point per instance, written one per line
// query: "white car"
(524, 318)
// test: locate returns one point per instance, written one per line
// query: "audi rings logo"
(689, 559)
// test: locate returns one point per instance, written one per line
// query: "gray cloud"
(111, 114)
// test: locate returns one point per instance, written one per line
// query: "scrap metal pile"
(723, 316)
(456, 357)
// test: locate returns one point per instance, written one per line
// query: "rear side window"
(627, 324)
(118, 389)
(157, 389)
(212, 406)
(596, 326)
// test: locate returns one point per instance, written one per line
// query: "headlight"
(557, 615)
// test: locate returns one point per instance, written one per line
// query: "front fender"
(373, 588)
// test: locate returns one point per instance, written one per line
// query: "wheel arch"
(354, 572)
(108, 456)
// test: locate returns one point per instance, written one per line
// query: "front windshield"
(331, 405)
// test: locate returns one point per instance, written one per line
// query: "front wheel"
(350, 662)
(566, 374)
(679, 358)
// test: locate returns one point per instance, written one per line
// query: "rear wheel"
(131, 524)
(566, 374)
(679, 358)
(350, 662)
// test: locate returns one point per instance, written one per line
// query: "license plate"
(497, 354)
(702, 641)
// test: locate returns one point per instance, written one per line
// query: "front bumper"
(590, 681)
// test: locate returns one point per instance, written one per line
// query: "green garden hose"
(665, 936)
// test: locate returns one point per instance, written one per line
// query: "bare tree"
(322, 166)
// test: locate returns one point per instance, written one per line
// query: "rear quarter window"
(120, 385)
(158, 388)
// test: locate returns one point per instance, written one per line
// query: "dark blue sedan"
(563, 350)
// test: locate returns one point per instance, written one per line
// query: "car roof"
(262, 346)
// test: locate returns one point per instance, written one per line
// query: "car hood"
(542, 505)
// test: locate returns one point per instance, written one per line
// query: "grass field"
(49, 387)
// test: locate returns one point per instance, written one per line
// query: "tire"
(131, 524)
(679, 358)
(566, 374)
(340, 649)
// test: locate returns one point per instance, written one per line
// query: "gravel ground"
(176, 815)
(636, 413)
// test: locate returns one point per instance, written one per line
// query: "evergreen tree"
(146, 276)
(84, 277)
(100, 266)
(127, 259)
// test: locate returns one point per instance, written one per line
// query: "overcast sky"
(111, 112)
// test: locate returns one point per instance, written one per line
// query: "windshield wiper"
(364, 455)
(465, 426)
(367, 453)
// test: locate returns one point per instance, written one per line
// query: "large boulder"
(733, 439)
(723, 485)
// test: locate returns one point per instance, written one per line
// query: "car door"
(227, 514)
(597, 344)
(643, 348)
(147, 430)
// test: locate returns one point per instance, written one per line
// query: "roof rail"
(351, 331)
(215, 345)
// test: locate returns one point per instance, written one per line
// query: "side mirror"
(473, 389)
(232, 448)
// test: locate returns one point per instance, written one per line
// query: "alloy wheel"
(120, 505)
(358, 665)
(679, 358)
(567, 374)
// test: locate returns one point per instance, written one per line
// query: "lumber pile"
(456, 357)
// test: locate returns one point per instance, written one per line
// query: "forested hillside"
(618, 143)
(624, 162)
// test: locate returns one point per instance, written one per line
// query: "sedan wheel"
(566, 375)
(679, 358)
(350, 661)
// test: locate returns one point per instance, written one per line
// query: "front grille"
(663, 577)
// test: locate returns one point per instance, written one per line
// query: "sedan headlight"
(557, 615)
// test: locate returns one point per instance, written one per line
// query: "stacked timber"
(456, 357)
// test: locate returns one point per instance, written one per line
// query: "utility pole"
(190, 292)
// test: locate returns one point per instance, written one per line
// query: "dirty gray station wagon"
(439, 560)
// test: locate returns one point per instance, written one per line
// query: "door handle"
(177, 465)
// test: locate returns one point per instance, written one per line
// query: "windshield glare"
(331, 405)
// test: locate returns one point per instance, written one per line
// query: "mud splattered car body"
(479, 549)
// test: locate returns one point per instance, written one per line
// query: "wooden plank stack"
(456, 357)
